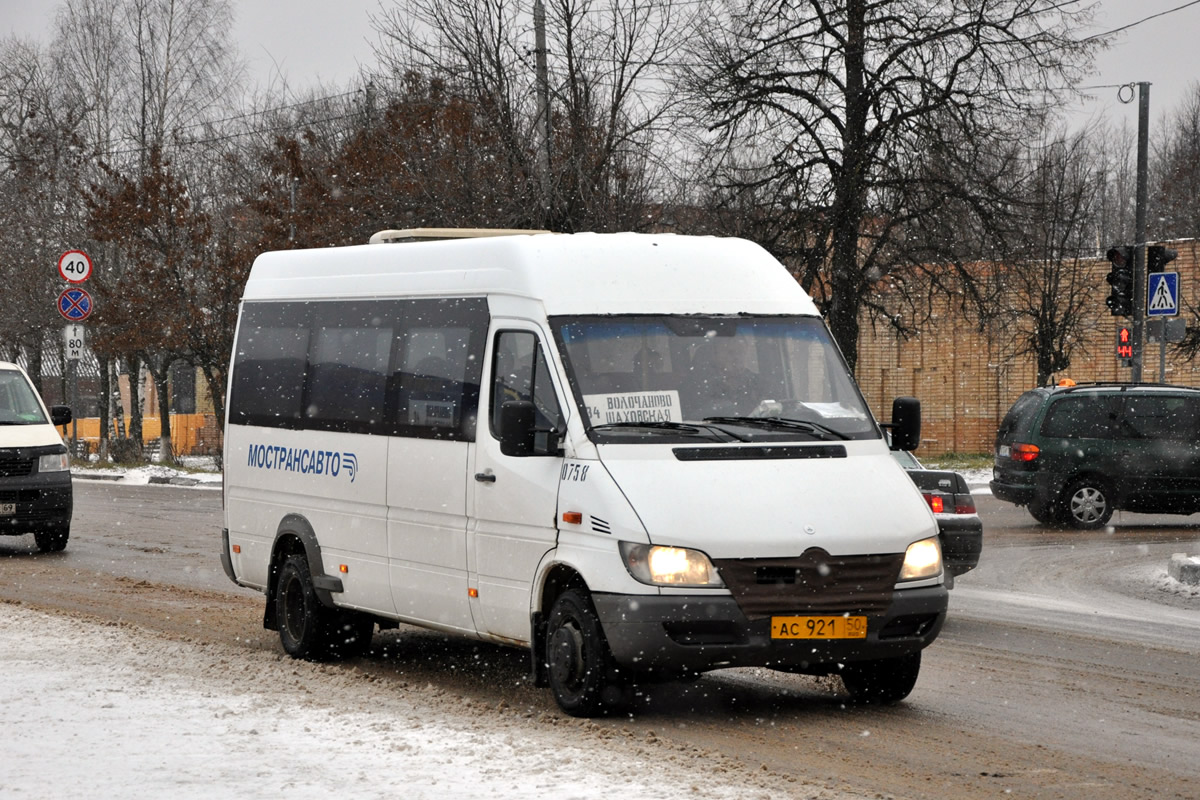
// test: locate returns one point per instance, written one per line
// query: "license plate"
(818, 627)
(1003, 451)
(7, 509)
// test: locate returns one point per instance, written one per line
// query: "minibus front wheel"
(881, 682)
(581, 670)
(52, 540)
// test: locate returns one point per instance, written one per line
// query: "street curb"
(173, 480)
(1185, 568)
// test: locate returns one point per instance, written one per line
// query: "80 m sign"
(74, 266)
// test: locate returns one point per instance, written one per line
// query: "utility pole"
(1139, 234)
(543, 98)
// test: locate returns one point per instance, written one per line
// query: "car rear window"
(1019, 419)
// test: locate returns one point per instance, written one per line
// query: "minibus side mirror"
(517, 432)
(60, 415)
(906, 423)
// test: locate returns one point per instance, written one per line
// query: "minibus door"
(513, 522)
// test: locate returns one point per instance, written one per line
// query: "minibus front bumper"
(676, 634)
(37, 502)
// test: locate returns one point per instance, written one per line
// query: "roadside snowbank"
(201, 472)
(112, 711)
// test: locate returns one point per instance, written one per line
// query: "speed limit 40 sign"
(74, 266)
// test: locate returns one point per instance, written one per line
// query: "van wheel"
(1088, 504)
(580, 666)
(305, 625)
(882, 682)
(53, 540)
(1047, 513)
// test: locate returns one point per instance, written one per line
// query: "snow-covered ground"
(108, 711)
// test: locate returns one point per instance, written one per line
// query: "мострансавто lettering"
(302, 460)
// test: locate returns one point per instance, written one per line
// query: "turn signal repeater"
(572, 517)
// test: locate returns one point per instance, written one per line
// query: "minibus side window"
(386, 367)
(347, 367)
(520, 372)
(433, 377)
(270, 364)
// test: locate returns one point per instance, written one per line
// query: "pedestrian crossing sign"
(1162, 295)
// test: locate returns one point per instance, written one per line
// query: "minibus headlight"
(923, 559)
(54, 462)
(668, 566)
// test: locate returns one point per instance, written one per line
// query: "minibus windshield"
(18, 404)
(748, 377)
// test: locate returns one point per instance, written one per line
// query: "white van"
(35, 471)
(640, 456)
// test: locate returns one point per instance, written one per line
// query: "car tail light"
(935, 502)
(1024, 452)
(964, 504)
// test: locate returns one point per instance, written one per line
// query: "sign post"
(74, 305)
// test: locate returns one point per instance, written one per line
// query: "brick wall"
(966, 380)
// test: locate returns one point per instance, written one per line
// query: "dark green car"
(1075, 454)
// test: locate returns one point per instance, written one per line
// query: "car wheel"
(53, 540)
(581, 669)
(1087, 503)
(1048, 513)
(881, 682)
(305, 625)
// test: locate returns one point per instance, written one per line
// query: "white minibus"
(640, 456)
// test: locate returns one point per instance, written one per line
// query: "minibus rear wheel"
(881, 682)
(581, 671)
(305, 624)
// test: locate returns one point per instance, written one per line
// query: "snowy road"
(1065, 671)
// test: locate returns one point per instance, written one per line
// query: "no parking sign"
(75, 305)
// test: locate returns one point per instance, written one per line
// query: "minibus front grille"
(813, 583)
(15, 467)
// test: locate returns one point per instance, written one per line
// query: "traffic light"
(1125, 345)
(1157, 257)
(1120, 278)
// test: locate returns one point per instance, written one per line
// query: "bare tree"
(608, 100)
(838, 100)
(1045, 290)
(1175, 200)
(39, 204)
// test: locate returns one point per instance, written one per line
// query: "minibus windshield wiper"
(779, 422)
(674, 427)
